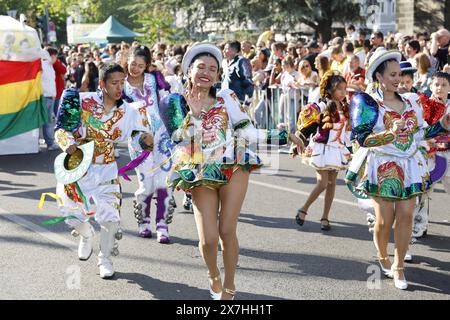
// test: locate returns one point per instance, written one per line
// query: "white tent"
(19, 42)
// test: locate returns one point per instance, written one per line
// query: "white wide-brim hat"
(195, 50)
(381, 55)
(66, 175)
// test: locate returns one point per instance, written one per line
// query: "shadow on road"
(29, 242)
(162, 290)
(339, 229)
(32, 164)
(435, 282)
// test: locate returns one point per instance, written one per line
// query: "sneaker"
(408, 257)
(53, 147)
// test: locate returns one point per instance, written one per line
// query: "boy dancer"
(104, 119)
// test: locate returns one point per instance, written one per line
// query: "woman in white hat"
(388, 167)
(210, 165)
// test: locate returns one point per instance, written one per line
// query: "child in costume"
(325, 126)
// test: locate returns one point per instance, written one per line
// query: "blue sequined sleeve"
(363, 116)
(69, 111)
(172, 110)
(434, 130)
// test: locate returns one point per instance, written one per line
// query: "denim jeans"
(49, 128)
(56, 106)
(260, 115)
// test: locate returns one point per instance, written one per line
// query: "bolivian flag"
(22, 106)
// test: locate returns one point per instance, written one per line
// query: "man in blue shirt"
(237, 73)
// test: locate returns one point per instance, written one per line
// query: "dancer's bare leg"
(384, 212)
(402, 233)
(321, 185)
(206, 207)
(232, 197)
(329, 193)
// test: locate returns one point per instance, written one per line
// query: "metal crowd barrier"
(277, 105)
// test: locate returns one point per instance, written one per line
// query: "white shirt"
(48, 76)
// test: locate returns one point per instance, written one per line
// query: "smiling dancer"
(389, 166)
(143, 86)
(210, 165)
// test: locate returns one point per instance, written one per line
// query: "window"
(382, 7)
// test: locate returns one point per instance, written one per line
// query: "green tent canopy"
(112, 31)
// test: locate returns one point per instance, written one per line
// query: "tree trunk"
(324, 29)
(447, 14)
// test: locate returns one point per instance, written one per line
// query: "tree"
(318, 14)
(283, 14)
(156, 25)
(447, 14)
(99, 11)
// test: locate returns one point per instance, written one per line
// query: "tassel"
(133, 164)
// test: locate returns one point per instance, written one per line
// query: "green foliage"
(155, 18)
(156, 26)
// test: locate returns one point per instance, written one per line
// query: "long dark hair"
(331, 114)
(143, 52)
(213, 90)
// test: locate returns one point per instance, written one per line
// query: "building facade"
(422, 15)
(379, 15)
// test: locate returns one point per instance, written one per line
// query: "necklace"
(136, 83)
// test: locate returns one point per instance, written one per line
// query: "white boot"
(86, 232)
(107, 237)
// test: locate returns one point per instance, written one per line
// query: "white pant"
(99, 184)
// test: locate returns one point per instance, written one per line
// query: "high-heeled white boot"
(86, 232)
(107, 237)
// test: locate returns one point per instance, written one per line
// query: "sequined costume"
(217, 143)
(444, 151)
(326, 148)
(431, 113)
(101, 181)
(81, 119)
(152, 173)
(387, 165)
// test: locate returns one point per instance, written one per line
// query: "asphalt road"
(278, 259)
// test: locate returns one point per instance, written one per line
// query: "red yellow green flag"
(22, 105)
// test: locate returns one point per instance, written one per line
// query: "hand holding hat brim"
(67, 175)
